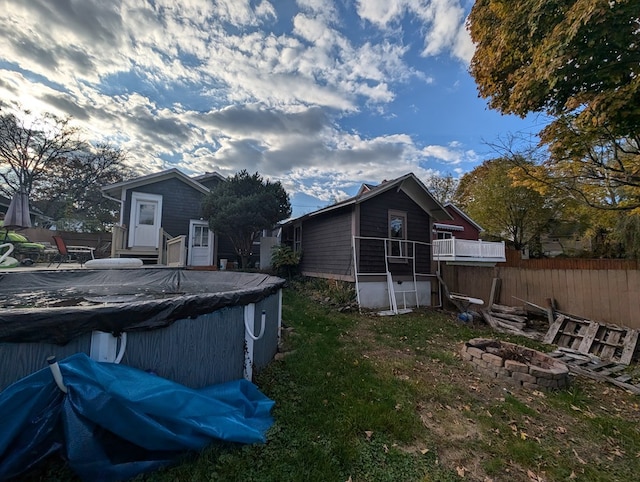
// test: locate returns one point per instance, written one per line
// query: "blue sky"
(320, 95)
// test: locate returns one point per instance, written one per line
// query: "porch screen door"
(200, 244)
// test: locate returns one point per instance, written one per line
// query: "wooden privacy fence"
(599, 290)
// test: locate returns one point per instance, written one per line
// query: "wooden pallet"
(593, 367)
(608, 342)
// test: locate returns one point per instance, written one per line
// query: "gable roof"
(115, 190)
(409, 184)
(463, 215)
(209, 175)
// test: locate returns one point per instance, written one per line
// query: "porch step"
(147, 256)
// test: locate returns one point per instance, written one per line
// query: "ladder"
(409, 256)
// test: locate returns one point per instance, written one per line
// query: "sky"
(321, 95)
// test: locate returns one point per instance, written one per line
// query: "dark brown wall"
(374, 222)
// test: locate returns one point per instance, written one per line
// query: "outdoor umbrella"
(18, 212)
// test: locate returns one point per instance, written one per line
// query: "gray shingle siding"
(180, 203)
(326, 244)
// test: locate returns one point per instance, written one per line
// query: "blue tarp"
(117, 421)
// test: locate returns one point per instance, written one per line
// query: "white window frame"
(395, 248)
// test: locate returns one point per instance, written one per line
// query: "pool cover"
(116, 421)
(57, 306)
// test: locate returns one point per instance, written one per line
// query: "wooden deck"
(464, 250)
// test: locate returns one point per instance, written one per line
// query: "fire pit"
(516, 364)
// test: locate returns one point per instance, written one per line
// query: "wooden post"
(495, 291)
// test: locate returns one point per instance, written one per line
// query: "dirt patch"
(472, 421)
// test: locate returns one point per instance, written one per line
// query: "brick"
(466, 356)
(559, 373)
(480, 363)
(475, 352)
(524, 377)
(513, 381)
(492, 359)
(516, 366)
(540, 372)
(547, 382)
(531, 386)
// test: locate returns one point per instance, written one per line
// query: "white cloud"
(443, 23)
(224, 86)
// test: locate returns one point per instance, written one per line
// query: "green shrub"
(285, 261)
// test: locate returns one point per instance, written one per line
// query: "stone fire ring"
(516, 364)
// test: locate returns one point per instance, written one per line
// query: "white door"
(200, 244)
(144, 224)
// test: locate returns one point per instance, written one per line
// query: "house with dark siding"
(158, 208)
(379, 239)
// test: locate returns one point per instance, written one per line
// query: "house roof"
(209, 175)
(408, 183)
(463, 215)
(115, 190)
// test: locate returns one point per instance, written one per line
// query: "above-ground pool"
(197, 328)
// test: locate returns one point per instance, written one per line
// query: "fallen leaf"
(561, 430)
(533, 476)
(368, 433)
(385, 448)
(577, 409)
(424, 451)
(523, 435)
(618, 452)
(573, 475)
(578, 457)
(461, 471)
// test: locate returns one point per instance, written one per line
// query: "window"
(397, 225)
(201, 236)
(146, 213)
(297, 238)
(443, 235)
(397, 231)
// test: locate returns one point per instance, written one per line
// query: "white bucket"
(223, 264)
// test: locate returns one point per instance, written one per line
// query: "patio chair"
(67, 254)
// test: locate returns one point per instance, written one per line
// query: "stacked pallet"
(605, 341)
(592, 367)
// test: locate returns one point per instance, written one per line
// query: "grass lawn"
(368, 398)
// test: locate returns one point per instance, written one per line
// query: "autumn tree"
(243, 206)
(516, 214)
(443, 188)
(577, 61)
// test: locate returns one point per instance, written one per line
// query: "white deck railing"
(453, 249)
